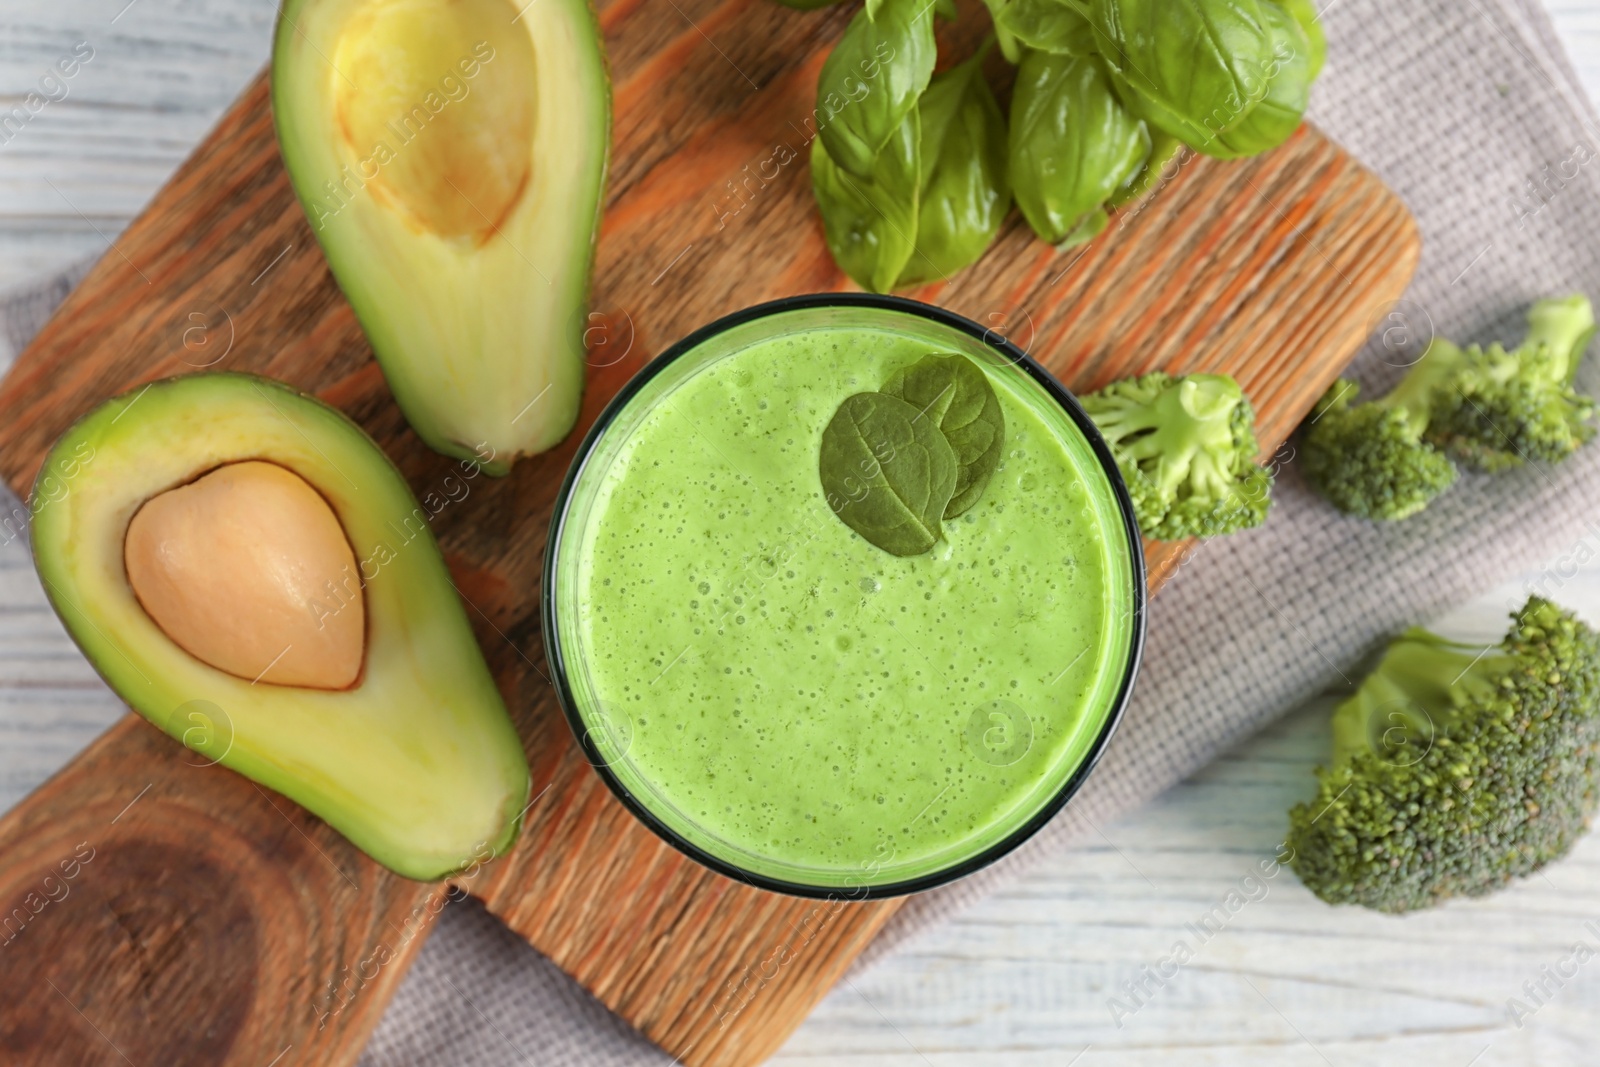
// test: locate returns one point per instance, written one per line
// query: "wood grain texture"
(158, 909)
(1272, 269)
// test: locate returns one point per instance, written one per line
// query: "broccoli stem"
(1179, 429)
(1414, 395)
(1563, 326)
(1413, 693)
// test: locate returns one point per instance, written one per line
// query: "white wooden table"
(1024, 978)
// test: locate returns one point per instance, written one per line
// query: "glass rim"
(582, 730)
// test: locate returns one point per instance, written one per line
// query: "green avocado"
(416, 761)
(450, 156)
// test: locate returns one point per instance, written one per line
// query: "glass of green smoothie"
(781, 696)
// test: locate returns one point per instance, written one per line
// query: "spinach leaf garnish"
(894, 464)
(887, 474)
(957, 396)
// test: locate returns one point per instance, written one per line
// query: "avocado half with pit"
(249, 572)
(450, 156)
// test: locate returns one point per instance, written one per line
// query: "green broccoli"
(1503, 408)
(1186, 448)
(1371, 459)
(1456, 768)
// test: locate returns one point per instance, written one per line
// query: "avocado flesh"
(450, 157)
(417, 763)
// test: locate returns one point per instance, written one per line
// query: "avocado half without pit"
(450, 157)
(249, 572)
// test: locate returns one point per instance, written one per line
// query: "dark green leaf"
(964, 193)
(870, 224)
(1073, 145)
(871, 80)
(887, 474)
(954, 393)
(1186, 66)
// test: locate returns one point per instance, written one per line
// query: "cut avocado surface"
(416, 761)
(450, 156)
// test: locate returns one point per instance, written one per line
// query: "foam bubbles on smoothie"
(821, 708)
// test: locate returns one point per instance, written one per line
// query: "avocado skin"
(418, 763)
(485, 353)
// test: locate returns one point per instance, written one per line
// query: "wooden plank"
(160, 910)
(1271, 269)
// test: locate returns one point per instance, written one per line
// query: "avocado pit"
(437, 110)
(235, 568)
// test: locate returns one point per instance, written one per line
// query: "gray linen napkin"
(1458, 106)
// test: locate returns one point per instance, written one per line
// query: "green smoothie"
(794, 700)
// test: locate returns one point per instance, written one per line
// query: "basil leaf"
(887, 474)
(1185, 66)
(1164, 150)
(871, 80)
(1072, 146)
(1305, 13)
(964, 195)
(954, 393)
(1278, 92)
(870, 224)
(1010, 47)
(1046, 25)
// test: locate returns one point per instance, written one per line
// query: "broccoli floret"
(1186, 448)
(1370, 459)
(1502, 408)
(1457, 768)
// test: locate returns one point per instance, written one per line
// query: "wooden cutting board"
(214, 922)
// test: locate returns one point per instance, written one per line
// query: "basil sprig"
(1108, 94)
(894, 464)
